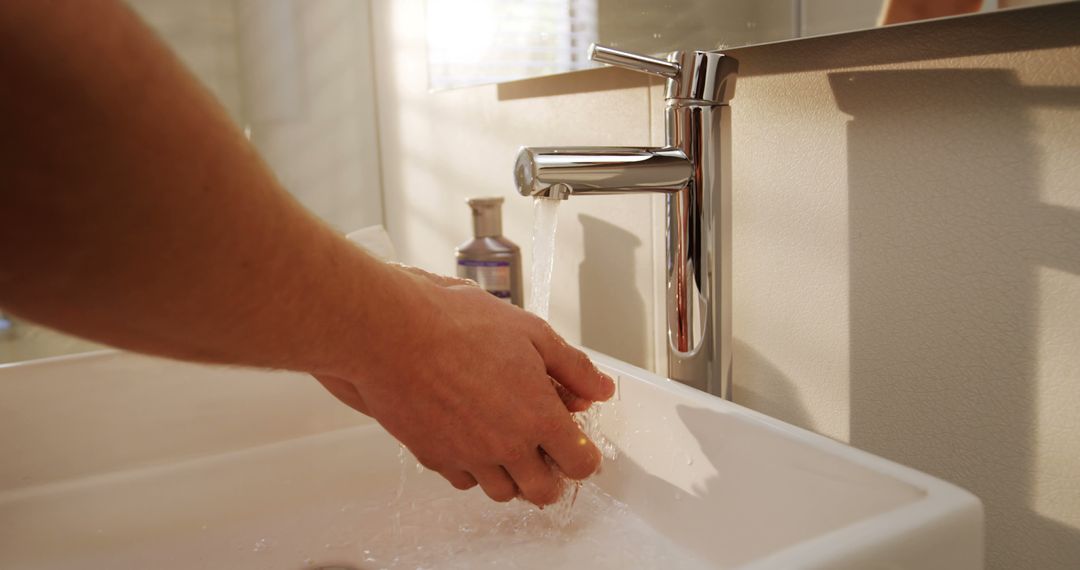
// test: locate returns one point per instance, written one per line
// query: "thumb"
(570, 367)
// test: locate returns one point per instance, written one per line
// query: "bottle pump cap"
(487, 216)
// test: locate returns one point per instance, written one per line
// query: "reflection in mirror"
(475, 42)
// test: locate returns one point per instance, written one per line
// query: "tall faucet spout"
(693, 172)
(559, 172)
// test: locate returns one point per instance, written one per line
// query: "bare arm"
(901, 11)
(134, 213)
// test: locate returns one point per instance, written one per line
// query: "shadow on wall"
(947, 234)
(749, 491)
(612, 309)
(765, 388)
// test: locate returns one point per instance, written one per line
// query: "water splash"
(450, 530)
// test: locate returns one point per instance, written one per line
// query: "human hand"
(472, 384)
(440, 280)
(344, 393)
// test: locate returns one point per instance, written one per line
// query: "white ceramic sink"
(114, 460)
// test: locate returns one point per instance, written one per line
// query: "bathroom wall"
(440, 148)
(306, 79)
(907, 238)
(297, 76)
(203, 34)
(907, 258)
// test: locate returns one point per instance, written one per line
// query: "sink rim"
(941, 500)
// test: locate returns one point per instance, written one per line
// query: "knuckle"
(554, 338)
(535, 321)
(430, 463)
(547, 494)
(539, 489)
(550, 426)
(543, 331)
(476, 293)
(583, 362)
(500, 494)
(462, 484)
(584, 465)
(510, 454)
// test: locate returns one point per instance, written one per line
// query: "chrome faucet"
(693, 170)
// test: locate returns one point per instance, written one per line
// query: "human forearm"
(136, 214)
(120, 169)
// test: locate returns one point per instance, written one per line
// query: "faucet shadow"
(947, 237)
(765, 388)
(750, 493)
(612, 310)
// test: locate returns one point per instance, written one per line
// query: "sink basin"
(114, 460)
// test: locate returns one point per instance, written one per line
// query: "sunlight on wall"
(475, 42)
(1058, 376)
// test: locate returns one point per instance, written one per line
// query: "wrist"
(390, 318)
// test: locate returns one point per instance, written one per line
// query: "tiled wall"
(298, 76)
(306, 77)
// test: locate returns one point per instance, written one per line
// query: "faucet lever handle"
(636, 62)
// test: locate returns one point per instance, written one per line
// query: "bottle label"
(493, 276)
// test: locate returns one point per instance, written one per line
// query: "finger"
(343, 390)
(571, 450)
(459, 479)
(537, 481)
(496, 483)
(569, 399)
(571, 367)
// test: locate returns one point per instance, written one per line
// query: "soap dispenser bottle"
(489, 258)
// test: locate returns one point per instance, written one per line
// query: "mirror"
(476, 42)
